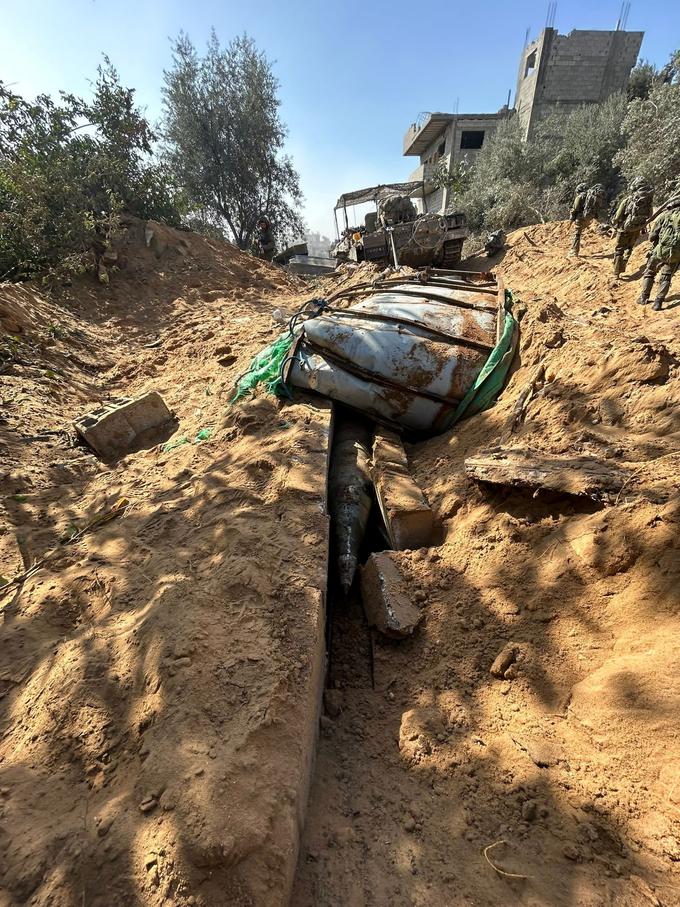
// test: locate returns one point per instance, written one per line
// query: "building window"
(472, 138)
(530, 64)
(442, 148)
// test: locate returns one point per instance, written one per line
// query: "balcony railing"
(428, 127)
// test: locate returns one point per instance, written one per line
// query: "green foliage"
(652, 131)
(580, 147)
(224, 138)
(508, 186)
(68, 168)
(516, 182)
(457, 180)
(642, 77)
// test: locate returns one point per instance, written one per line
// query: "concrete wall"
(583, 67)
(487, 123)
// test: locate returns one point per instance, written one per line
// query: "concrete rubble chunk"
(387, 601)
(408, 517)
(117, 427)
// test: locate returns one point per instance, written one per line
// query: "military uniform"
(664, 258)
(630, 219)
(586, 208)
(265, 239)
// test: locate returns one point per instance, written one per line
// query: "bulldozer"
(395, 233)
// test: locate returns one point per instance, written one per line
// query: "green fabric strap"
(490, 380)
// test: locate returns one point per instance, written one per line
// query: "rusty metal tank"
(406, 351)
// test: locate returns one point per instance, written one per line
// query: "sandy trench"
(171, 659)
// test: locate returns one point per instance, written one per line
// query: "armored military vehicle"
(395, 233)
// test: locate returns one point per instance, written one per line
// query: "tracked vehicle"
(395, 233)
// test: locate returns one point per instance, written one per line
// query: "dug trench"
(160, 673)
(520, 747)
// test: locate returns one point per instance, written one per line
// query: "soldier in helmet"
(588, 205)
(664, 257)
(265, 245)
(629, 220)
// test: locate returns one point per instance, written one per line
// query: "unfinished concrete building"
(560, 72)
(449, 138)
(556, 72)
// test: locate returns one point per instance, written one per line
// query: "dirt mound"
(159, 674)
(564, 773)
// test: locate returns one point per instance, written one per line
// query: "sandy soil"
(158, 675)
(569, 770)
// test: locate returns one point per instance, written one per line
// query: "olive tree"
(224, 138)
(651, 130)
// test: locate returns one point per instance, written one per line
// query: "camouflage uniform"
(664, 258)
(630, 219)
(265, 240)
(587, 206)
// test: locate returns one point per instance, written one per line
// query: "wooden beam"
(580, 476)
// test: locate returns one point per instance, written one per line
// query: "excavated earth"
(160, 672)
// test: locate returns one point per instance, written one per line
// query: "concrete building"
(556, 72)
(449, 138)
(560, 72)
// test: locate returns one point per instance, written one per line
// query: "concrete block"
(116, 428)
(386, 599)
(408, 517)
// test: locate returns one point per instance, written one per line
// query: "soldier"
(664, 257)
(588, 204)
(494, 242)
(265, 241)
(630, 219)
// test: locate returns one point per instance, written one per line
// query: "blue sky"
(353, 75)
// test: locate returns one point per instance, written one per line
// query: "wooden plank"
(408, 517)
(580, 476)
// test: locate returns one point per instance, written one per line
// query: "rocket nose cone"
(346, 568)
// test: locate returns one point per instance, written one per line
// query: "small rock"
(167, 801)
(326, 725)
(512, 673)
(570, 852)
(543, 754)
(409, 824)
(148, 804)
(555, 340)
(504, 659)
(105, 825)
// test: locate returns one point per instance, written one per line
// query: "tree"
(507, 186)
(580, 147)
(67, 170)
(652, 132)
(224, 138)
(642, 77)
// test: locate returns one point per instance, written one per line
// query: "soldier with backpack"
(588, 205)
(629, 220)
(664, 257)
